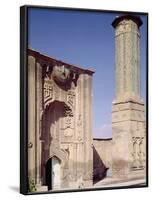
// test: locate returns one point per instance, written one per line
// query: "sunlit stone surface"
(128, 120)
(60, 153)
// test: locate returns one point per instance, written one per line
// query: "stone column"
(88, 151)
(128, 107)
(79, 131)
(31, 118)
(38, 120)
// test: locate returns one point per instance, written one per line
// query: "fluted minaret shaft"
(127, 57)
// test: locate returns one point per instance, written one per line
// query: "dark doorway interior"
(48, 174)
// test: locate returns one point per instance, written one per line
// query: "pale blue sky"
(85, 39)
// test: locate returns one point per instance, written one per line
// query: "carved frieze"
(47, 89)
(69, 110)
(68, 129)
(71, 98)
(138, 152)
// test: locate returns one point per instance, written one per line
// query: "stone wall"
(102, 160)
(60, 121)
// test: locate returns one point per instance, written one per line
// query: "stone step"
(40, 188)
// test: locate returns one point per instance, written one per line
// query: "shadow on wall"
(99, 168)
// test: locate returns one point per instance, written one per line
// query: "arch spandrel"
(60, 154)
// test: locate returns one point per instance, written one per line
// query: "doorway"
(52, 173)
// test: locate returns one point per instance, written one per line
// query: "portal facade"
(60, 153)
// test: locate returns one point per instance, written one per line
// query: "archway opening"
(53, 173)
(50, 137)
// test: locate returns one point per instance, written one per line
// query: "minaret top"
(127, 58)
(134, 18)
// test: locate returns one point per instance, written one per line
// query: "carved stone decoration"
(57, 94)
(67, 111)
(65, 77)
(79, 128)
(68, 126)
(61, 74)
(134, 164)
(68, 121)
(66, 150)
(137, 152)
(71, 98)
(47, 89)
(141, 153)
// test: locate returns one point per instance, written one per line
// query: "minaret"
(128, 121)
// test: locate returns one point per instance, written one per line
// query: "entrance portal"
(55, 173)
(52, 173)
(60, 107)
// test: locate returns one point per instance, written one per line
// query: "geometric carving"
(68, 121)
(138, 152)
(68, 126)
(79, 128)
(48, 89)
(71, 98)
